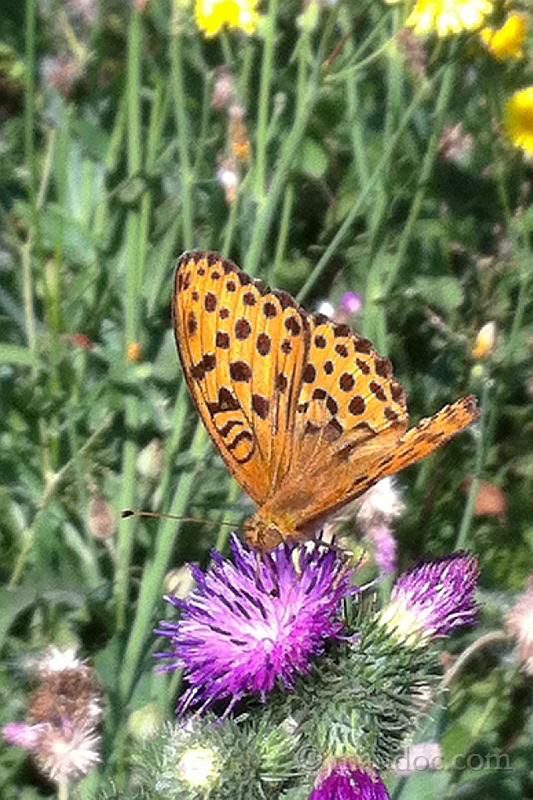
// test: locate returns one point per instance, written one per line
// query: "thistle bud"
(344, 778)
(145, 722)
(151, 459)
(179, 582)
(432, 600)
(101, 520)
(223, 89)
(519, 623)
(199, 767)
(63, 714)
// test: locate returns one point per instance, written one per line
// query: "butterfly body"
(305, 413)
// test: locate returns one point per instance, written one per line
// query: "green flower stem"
(359, 205)
(522, 302)
(286, 213)
(231, 224)
(27, 248)
(62, 790)
(183, 135)
(486, 640)
(264, 102)
(481, 448)
(156, 569)
(30, 160)
(227, 53)
(203, 132)
(375, 317)
(305, 104)
(182, 410)
(351, 72)
(288, 153)
(29, 106)
(134, 250)
(53, 485)
(245, 72)
(428, 163)
(357, 131)
(234, 493)
(169, 530)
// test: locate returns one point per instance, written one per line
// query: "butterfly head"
(265, 532)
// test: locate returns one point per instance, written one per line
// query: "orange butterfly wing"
(347, 469)
(243, 350)
(305, 413)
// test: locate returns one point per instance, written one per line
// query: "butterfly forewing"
(243, 349)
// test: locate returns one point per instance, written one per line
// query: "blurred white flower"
(382, 503)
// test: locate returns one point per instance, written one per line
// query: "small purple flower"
(344, 780)
(385, 547)
(351, 302)
(256, 620)
(433, 599)
(20, 734)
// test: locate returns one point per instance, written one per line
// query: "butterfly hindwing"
(351, 465)
(348, 392)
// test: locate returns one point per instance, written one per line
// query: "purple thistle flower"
(346, 781)
(256, 620)
(351, 302)
(433, 599)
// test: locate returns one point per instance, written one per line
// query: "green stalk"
(481, 448)
(285, 221)
(358, 206)
(428, 163)
(29, 104)
(264, 102)
(169, 530)
(305, 103)
(29, 157)
(266, 212)
(183, 135)
(155, 571)
(132, 267)
(356, 130)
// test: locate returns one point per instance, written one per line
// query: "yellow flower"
(485, 341)
(134, 352)
(213, 15)
(518, 119)
(507, 41)
(446, 17)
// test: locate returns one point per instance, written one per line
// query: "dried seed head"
(101, 520)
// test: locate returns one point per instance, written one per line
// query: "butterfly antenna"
(128, 512)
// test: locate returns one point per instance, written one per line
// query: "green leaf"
(13, 602)
(313, 160)
(16, 354)
(443, 292)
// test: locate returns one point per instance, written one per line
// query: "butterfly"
(306, 415)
